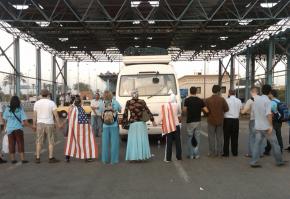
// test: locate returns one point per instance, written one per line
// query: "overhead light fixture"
(151, 22)
(41, 7)
(63, 39)
(73, 47)
(248, 5)
(224, 38)
(213, 46)
(137, 46)
(227, 23)
(20, 6)
(244, 22)
(136, 38)
(135, 4)
(154, 3)
(268, 5)
(149, 38)
(148, 46)
(136, 22)
(43, 23)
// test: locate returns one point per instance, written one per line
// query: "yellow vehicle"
(63, 110)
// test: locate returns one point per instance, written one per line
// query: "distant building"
(110, 79)
(204, 84)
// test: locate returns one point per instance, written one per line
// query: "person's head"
(97, 96)
(77, 100)
(114, 93)
(232, 92)
(254, 91)
(216, 89)
(273, 94)
(107, 95)
(172, 98)
(193, 90)
(134, 94)
(72, 99)
(14, 103)
(45, 93)
(266, 89)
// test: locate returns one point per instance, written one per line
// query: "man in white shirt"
(248, 108)
(264, 128)
(231, 124)
(96, 115)
(43, 123)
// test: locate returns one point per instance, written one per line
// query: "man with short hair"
(43, 123)
(217, 106)
(96, 115)
(264, 128)
(231, 124)
(249, 108)
(193, 106)
(277, 123)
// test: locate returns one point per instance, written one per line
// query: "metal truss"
(190, 30)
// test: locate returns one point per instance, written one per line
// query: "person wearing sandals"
(138, 148)
(14, 120)
(1, 135)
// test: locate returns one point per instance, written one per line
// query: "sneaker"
(256, 166)
(89, 160)
(13, 161)
(197, 157)
(167, 161)
(283, 163)
(24, 161)
(37, 160)
(2, 161)
(53, 160)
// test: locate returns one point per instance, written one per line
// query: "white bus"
(153, 77)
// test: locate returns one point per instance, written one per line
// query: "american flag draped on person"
(81, 142)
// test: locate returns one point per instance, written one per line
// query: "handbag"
(5, 144)
(145, 116)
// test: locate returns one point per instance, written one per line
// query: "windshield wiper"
(156, 93)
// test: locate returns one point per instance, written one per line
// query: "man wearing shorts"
(43, 123)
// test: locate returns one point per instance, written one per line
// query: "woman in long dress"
(138, 148)
(80, 141)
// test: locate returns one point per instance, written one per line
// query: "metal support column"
(253, 70)
(232, 73)
(65, 76)
(248, 64)
(17, 66)
(270, 56)
(220, 73)
(287, 78)
(38, 71)
(53, 78)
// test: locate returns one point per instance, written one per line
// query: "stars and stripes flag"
(168, 119)
(81, 141)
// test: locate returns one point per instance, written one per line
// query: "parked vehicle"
(63, 110)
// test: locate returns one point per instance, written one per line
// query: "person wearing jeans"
(217, 106)
(264, 128)
(193, 106)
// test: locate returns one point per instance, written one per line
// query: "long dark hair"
(14, 103)
(78, 100)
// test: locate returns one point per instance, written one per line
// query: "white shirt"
(44, 109)
(235, 106)
(96, 104)
(262, 108)
(249, 107)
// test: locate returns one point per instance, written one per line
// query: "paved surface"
(212, 178)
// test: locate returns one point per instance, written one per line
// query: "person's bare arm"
(270, 130)
(34, 120)
(184, 109)
(205, 109)
(57, 119)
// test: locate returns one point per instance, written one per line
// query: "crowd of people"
(266, 118)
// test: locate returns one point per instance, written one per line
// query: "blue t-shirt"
(12, 123)
(116, 107)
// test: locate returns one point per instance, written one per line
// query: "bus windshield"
(146, 86)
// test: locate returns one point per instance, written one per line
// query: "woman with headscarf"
(138, 148)
(170, 118)
(80, 141)
(110, 136)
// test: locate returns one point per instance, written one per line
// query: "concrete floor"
(212, 178)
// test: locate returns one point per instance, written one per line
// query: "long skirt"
(138, 143)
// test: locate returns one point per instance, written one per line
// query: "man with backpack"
(278, 110)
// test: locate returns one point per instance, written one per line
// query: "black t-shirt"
(194, 107)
